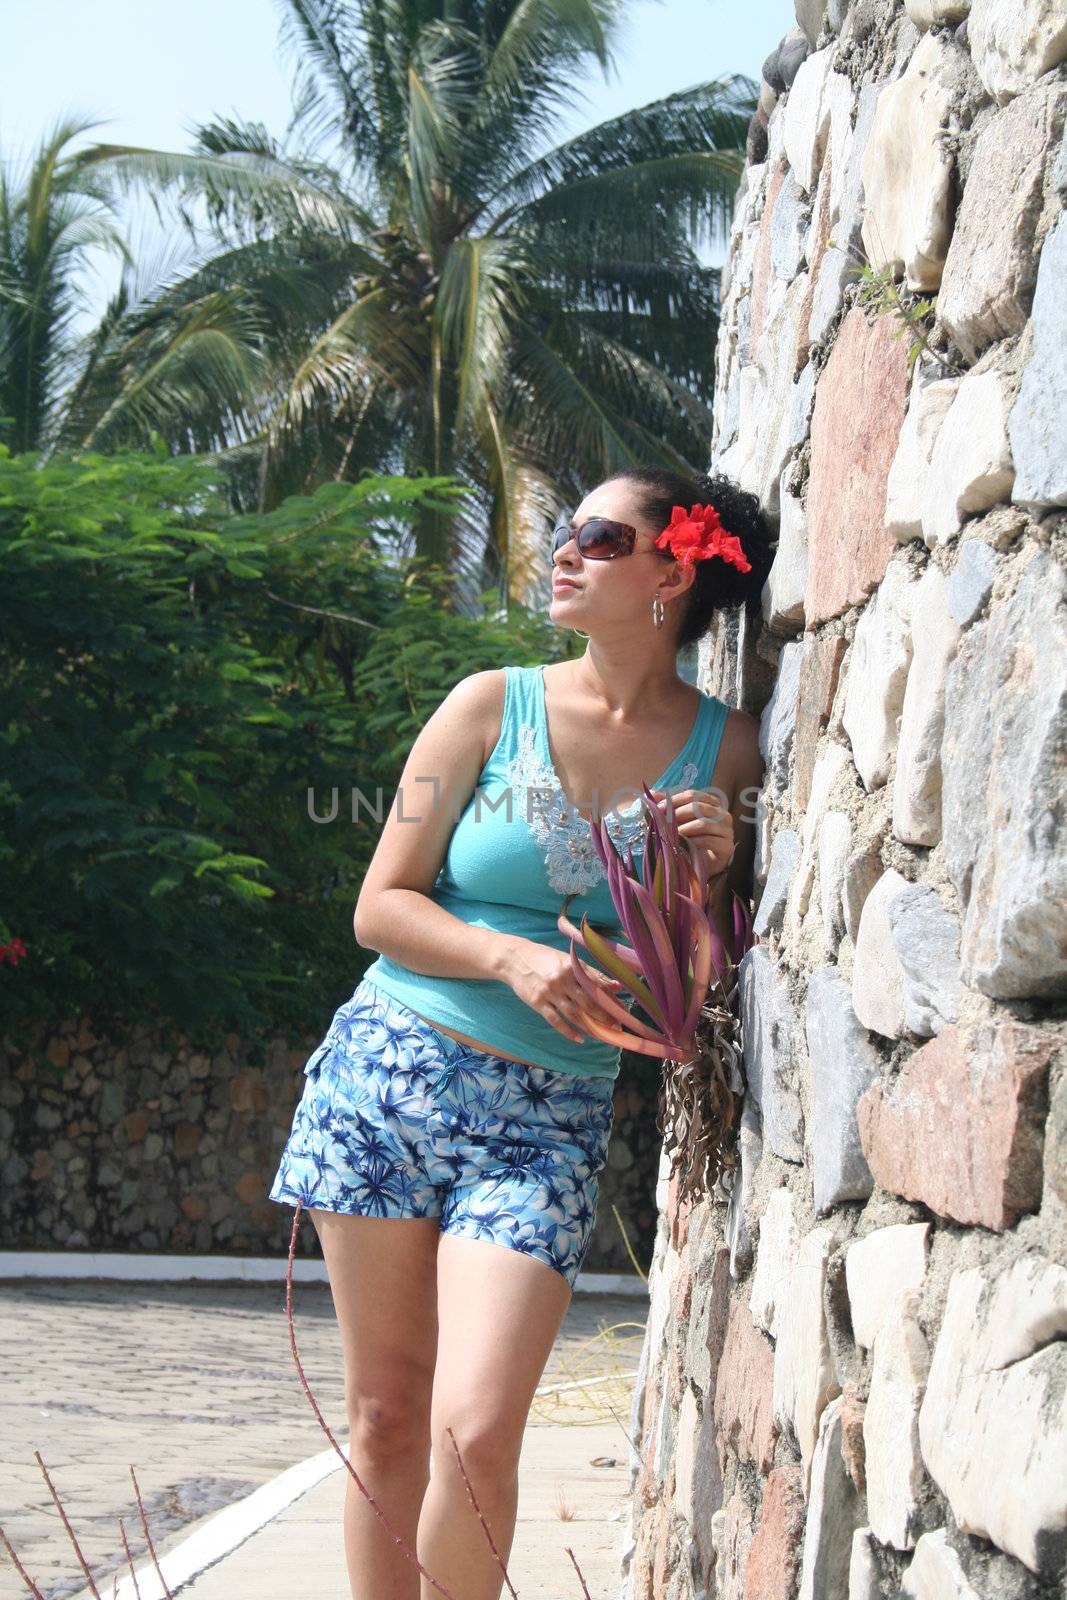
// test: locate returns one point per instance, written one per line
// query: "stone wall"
(168, 1147)
(854, 1382)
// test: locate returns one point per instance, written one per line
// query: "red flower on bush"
(698, 534)
(13, 951)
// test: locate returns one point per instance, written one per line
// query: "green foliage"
(175, 678)
(457, 296)
(878, 292)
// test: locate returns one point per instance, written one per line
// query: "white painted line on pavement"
(130, 1267)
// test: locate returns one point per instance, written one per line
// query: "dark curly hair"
(717, 586)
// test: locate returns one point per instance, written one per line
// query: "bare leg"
(498, 1316)
(383, 1278)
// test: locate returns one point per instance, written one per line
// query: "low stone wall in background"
(142, 1148)
(854, 1381)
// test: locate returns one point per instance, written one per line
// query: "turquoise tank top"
(518, 849)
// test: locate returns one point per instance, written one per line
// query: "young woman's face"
(614, 596)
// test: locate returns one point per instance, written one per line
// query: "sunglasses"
(598, 538)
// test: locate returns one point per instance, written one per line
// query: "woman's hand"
(543, 977)
(702, 818)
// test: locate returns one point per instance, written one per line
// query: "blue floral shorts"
(399, 1120)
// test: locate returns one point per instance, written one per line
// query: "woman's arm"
(394, 912)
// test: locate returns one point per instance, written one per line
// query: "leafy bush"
(174, 679)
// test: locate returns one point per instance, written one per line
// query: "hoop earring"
(580, 634)
(658, 613)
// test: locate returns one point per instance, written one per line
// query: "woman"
(455, 1118)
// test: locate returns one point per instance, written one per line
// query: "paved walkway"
(194, 1384)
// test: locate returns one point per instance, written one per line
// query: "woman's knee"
(490, 1448)
(387, 1423)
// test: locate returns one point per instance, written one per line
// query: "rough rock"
(779, 1245)
(785, 854)
(779, 719)
(995, 1409)
(835, 843)
(736, 1228)
(835, 1511)
(694, 1459)
(971, 466)
(935, 13)
(879, 1269)
(1005, 789)
(877, 973)
(1037, 425)
(935, 1571)
(928, 404)
(773, 1557)
(783, 593)
(908, 168)
(770, 1030)
(877, 674)
(807, 119)
(988, 283)
(891, 1425)
(744, 1418)
(961, 1127)
(831, 763)
(863, 1567)
(862, 871)
(843, 1066)
(820, 667)
(917, 781)
(1013, 42)
(926, 938)
(970, 584)
(789, 226)
(804, 1379)
(860, 399)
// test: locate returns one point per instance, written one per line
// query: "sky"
(152, 73)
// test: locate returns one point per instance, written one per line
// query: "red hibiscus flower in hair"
(696, 535)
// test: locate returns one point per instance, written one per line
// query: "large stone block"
(891, 1426)
(935, 1571)
(735, 1538)
(783, 593)
(877, 973)
(1013, 42)
(779, 1244)
(785, 854)
(935, 13)
(770, 1032)
(744, 1415)
(819, 668)
(961, 1127)
(804, 1377)
(879, 1269)
(773, 1556)
(835, 845)
(908, 168)
(835, 1511)
(917, 781)
(844, 1064)
(991, 267)
(926, 938)
(878, 673)
(995, 1410)
(1005, 789)
(807, 118)
(970, 584)
(779, 719)
(831, 763)
(1037, 424)
(971, 468)
(860, 400)
(906, 486)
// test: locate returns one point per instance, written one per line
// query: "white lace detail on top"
(562, 832)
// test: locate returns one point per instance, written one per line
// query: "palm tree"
(449, 293)
(53, 214)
